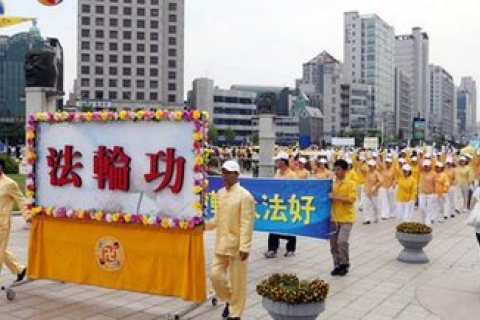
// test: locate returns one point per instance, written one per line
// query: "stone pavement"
(378, 287)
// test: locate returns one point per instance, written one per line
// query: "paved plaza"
(377, 288)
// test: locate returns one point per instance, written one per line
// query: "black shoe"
(452, 216)
(289, 254)
(21, 275)
(343, 270)
(367, 222)
(335, 271)
(226, 311)
(233, 318)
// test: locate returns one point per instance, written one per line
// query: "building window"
(113, 46)
(172, 18)
(172, 41)
(112, 95)
(154, 2)
(99, 34)
(140, 35)
(154, 60)
(126, 95)
(113, 71)
(140, 47)
(172, 29)
(141, 24)
(153, 48)
(85, 21)
(99, 22)
(172, 52)
(112, 83)
(85, 70)
(172, 6)
(85, 8)
(140, 60)
(141, 12)
(85, 33)
(113, 34)
(113, 10)
(172, 64)
(153, 96)
(154, 12)
(153, 84)
(99, 46)
(85, 82)
(172, 75)
(140, 96)
(127, 35)
(153, 72)
(127, 59)
(154, 36)
(127, 71)
(99, 95)
(171, 98)
(172, 87)
(85, 57)
(99, 58)
(127, 23)
(84, 95)
(140, 71)
(127, 83)
(98, 70)
(154, 24)
(85, 45)
(98, 82)
(100, 9)
(140, 84)
(127, 47)
(113, 22)
(127, 11)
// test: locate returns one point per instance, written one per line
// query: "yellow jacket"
(344, 212)
(10, 193)
(442, 183)
(234, 221)
(406, 189)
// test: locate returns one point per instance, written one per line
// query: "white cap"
(323, 160)
(374, 154)
(420, 151)
(361, 158)
(462, 158)
(371, 163)
(414, 159)
(468, 155)
(349, 161)
(439, 164)
(402, 160)
(406, 167)
(389, 160)
(231, 166)
(449, 160)
(302, 160)
(282, 155)
(426, 163)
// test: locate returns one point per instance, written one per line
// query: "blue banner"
(293, 207)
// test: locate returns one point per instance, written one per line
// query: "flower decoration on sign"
(162, 220)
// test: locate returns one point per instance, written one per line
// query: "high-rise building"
(321, 80)
(131, 53)
(412, 59)
(12, 73)
(403, 104)
(464, 106)
(469, 85)
(369, 58)
(442, 103)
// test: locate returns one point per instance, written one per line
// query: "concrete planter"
(283, 311)
(413, 245)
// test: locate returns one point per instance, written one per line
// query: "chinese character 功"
(173, 165)
(63, 160)
(112, 166)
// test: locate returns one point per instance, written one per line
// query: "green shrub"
(11, 166)
(414, 227)
(287, 288)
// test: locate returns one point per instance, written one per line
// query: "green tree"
(213, 134)
(229, 135)
(255, 138)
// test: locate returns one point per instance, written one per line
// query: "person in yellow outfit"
(406, 194)
(361, 170)
(343, 198)
(452, 191)
(442, 184)
(464, 177)
(301, 172)
(234, 223)
(322, 170)
(415, 168)
(387, 190)
(426, 192)
(9, 193)
(373, 181)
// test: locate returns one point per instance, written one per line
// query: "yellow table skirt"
(126, 257)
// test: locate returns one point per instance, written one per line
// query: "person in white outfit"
(426, 192)
(387, 190)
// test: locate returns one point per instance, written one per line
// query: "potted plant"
(413, 236)
(285, 297)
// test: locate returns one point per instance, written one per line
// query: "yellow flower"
(159, 114)
(29, 194)
(177, 115)
(41, 116)
(198, 206)
(115, 217)
(199, 161)
(140, 114)
(165, 223)
(205, 115)
(128, 218)
(30, 134)
(122, 114)
(88, 116)
(197, 189)
(98, 216)
(80, 214)
(36, 210)
(104, 115)
(48, 211)
(183, 224)
(196, 115)
(145, 220)
(197, 136)
(205, 183)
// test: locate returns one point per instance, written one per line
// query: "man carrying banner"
(284, 172)
(234, 223)
(343, 198)
(9, 193)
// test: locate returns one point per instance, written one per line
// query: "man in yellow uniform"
(426, 192)
(234, 223)
(343, 198)
(283, 172)
(302, 172)
(387, 190)
(442, 184)
(464, 177)
(9, 193)
(452, 191)
(406, 194)
(373, 181)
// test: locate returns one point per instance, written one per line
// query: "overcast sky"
(266, 41)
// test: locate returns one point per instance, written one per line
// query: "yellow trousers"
(5, 256)
(232, 290)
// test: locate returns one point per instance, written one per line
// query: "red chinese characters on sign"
(173, 166)
(62, 166)
(112, 166)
